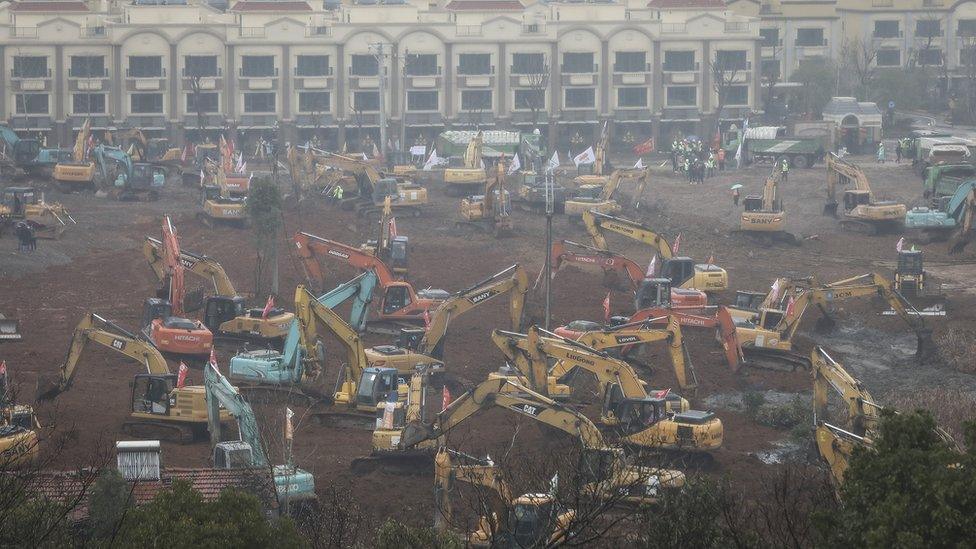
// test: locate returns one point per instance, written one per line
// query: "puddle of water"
(783, 451)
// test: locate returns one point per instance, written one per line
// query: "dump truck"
(943, 180)
(771, 144)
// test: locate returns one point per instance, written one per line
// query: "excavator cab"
(910, 274)
(385, 187)
(233, 454)
(753, 203)
(534, 518)
(376, 386)
(398, 252)
(154, 308)
(151, 394)
(653, 292)
(854, 198)
(409, 338)
(220, 309)
(678, 269)
(748, 300)
(397, 297)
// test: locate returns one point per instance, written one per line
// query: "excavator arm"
(174, 268)
(81, 142)
(624, 268)
(311, 314)
(596, 223)
(636, 335)
(511, 280)
(310, 247)
(200, 265)
(863, 413)
(360, 290)
(963, 234)
(219, 393)
(510, 396)
(472, 155)
(97, 329)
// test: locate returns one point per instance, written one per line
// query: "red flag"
(181, 375)
(213, 359)
(289, 429)
(644, 148)
(789, 307)
(445, 398)
(663, 394)
(392, 227)
(426, 318)
(676, 245)
(3, 368)
(711, 259)
(606, 307)
(267, 307)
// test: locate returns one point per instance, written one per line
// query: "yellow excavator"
(602, 200)
(836, 441)
(590, 184)
(619, 339)
(638, 418)
(763, 216)
(462, 180)
(156, 150)
(683, 272)
(19, 445)
(766, 334)
(492, 211)
(160, 408)
(862, 213)
(79, 173)
(226, 312)
(221, 204)
(426, 346)
(529, 520)
(372, 188)
(390, 246)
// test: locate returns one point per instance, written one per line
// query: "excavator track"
(172, 432)
(769, 359)
(860, 227)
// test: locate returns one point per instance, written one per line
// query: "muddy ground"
(98, 267)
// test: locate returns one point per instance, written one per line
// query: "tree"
(182, 518)
(109, 503)
(817, 78)
(264, 211)
(911, 488)
(536, 83)
(858, 65)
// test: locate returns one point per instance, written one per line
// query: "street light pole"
(379, 53)
(550, 199)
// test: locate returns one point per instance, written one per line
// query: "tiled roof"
(485, 5)
(690, 4)
(49, 6)
(70, 486)
(271, 6)
(841, 106)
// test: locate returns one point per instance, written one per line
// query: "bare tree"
(725, 74)
(536, 83)
(858, 65)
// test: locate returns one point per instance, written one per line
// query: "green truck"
(943, 179)
(494, 143)
(768, 144)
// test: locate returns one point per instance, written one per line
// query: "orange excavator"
(164, 321)
(620, 273)
(399, 303)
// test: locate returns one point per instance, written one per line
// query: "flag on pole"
(900, 245)
(201, 176)
(711, 259)
(181, 375)
(515, 166)
(606, 307)
(774, 289)
(185, 153)
(640, 164)
(554, 161)
(646, 147)
(651, 268)
(239, 165)
(365, 157)
(445, 398)
(585, 157)
(267, 307)
(289, 429)
(676, 245)
(554, 485)
(432, 160)
(213, 360)
(426, 318)
(392, 228)
(663, 394)
(789, 307)
(3, 368)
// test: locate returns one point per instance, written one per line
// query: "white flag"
(651, 268)
(515, 166)
(640, 164)
(365, 157)
(775, 288)
(289, 430)
(432, 160)
(585, 157)
(900, 244)
(417, 150)
(554, 161)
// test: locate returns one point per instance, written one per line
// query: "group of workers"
(695, 160)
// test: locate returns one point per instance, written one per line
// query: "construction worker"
(721, 159)
(735, 197)
(710, 164)
(337, 193)
(785, 169)
(881, 152)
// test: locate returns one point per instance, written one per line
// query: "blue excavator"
(944, 219)
(26, 154)
(291, 483)
(126, 180)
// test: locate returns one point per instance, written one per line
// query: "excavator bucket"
(830, 209)
(925, 346)
(9, 329)
(47, 389)
(729, 340)
(958, 243)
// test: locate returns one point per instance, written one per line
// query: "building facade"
(296, 69)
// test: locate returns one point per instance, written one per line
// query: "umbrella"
(736, 186)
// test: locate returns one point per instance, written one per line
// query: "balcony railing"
(736, 26)
(673, 28)
(771, 43)
(682, 67)
(88, 73)
(460, 72)
(200, 74)
(160, 74)
(252, 32)
(27, 75)
(318, 31)
(437, 72)
(243, 74)
(810, 43)
(569, 69)
(884, 34)
(534, 28)
(631, 69)
(468, 30)
(312, 74)
(92, 32)
(23, 32)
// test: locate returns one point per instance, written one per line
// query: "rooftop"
(48, 6)
(485, 5)
(251, 5)
(687, 4)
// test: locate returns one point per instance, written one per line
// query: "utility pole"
(379, 52)
(550, 206)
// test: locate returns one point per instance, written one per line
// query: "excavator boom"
(220, 392)
(310, 247)
(597, 222)
(201, 265)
